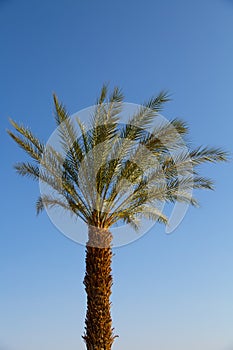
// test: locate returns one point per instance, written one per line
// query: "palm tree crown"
(92, 180)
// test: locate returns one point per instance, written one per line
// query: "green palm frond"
(47, 201)
(27, 146)
(68, 134)
(103, 95)
(28, 169)
(60, 111)
(152, 213)
(106, 116)
(132, 221)
(68, 205)
(208, 154)
(165, 138)
(26, 132)
(51, 202)
(137, 124)
(181, 126)
(156, 103)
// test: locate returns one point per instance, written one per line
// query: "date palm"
(92, 182)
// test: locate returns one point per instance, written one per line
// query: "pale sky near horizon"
(170, 291)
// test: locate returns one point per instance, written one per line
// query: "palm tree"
(100, 197)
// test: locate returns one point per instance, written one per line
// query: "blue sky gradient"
(170, 291)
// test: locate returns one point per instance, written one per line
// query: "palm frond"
(105, 120)
(208, 154)
(68, 134)
(137, 124)
(27, 134)
(28, 169)
(103, 94)
(180, 125)
(49, 201)
(156, 103)
(132, 221)
(152, 213)
(26, 146)
(61, 114)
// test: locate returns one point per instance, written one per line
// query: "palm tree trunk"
(98, 282)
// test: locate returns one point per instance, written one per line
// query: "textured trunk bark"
(98, 282)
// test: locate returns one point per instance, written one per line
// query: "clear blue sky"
(170, 292)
